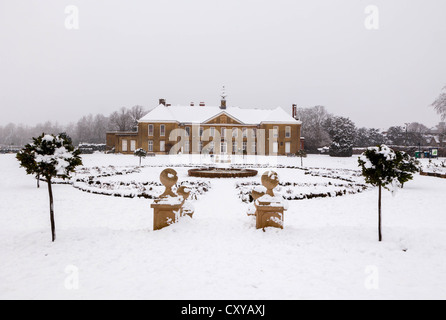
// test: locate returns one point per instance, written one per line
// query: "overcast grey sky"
(267, 53)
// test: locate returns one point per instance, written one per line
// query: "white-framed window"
(287, 147)
(253, 148)
(186, 147)
(187, 131)
(245, 146)
(245, 132)
(223, 132)
(124, 145)
(235, 132)
(162, 146)
(162, 130)
(275, 147)
(288, 132)
(234, 147)
(254, 132)
(132, 145)
(224, 147)
(151, 130)
(211, 146)
(212, 132)
(200, 146)
(150, 146)
(276, 132)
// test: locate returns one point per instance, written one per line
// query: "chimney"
(295, 111)
(163, 102)
(202, 104)
(223, 98)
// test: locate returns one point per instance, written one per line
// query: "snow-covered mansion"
(196, 129)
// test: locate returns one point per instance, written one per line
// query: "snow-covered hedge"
(350, 182)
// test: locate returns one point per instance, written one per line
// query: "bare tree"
(440, 104)
(121, 120)
(313, 120)
(136, 113)
(84, 128)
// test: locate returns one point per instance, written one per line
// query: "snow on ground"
(328, 249)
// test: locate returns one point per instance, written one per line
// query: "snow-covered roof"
(198, 114)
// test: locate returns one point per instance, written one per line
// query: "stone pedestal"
(269, 216)
(165, 213)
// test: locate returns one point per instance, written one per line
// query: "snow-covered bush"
(342, 133)
(49, 157)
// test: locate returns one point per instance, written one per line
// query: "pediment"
(223, 118)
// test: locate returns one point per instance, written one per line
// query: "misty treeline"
(321, 128)
(88, 129)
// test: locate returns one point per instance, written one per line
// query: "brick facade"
(154, 136)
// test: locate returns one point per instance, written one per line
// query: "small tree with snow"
(302, 154)
(380, 168)
(50, 156)
(141, 153)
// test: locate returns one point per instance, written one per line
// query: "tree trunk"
(53, 225)
(301, 161)
(140, 161)
(379, 215)
(38, 181)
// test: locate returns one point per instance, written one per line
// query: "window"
(224, 148)
(245, 132)
(275, 147)
(223, 133)
(288, 147)
(132, 145)
(276, 132)
(124, 145)
(200, 146)
(150, 145)
(288, 132)
(150, 130)
(235, 132)
(245, 146)
(212, 132)
(186, 147)
(234, 147)
(162, 146)
(201, 131)
(187, 131)
(253, 148)
(211, 146)
(162, 130)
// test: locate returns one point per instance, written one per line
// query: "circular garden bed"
(222, 173)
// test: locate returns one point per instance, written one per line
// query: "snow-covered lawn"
(328, 249)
